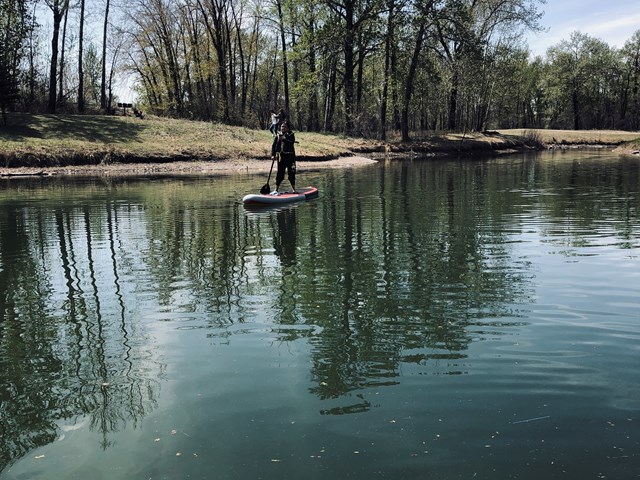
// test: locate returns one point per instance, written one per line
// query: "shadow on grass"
(89, 128)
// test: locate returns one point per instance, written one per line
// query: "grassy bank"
(65, 140)
(54, 140)
(577, 137)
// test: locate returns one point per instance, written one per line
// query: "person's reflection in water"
(285, 238)
(285, 244)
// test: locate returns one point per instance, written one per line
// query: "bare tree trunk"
(80, 66)
(216, 9)
(296, 62)
(312, 117)
(330, 96)
(111, 73)
(103, 92)
(285, 66)
(188, 85)
(576, 107)
(409, 84)
(203, 100)
(32, 66)
(58, 8)
(388, 45)
(243, 69)
(62, 63)
(347, 45)
(254, 77)
(232, 66)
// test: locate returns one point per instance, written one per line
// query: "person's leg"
(280, 174)
(292, 173)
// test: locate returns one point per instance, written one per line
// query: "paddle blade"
(265, 189)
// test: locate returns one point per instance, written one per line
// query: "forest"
(370, 68)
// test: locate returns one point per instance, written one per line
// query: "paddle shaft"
(271, 169)
(265, 188)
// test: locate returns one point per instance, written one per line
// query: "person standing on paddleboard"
(283, 147)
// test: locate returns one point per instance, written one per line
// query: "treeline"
(362, 67)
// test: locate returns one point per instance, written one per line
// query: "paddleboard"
(304, 193)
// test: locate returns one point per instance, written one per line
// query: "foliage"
(364, 68)
(14, 28)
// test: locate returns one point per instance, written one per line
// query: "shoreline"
(255, 166)
(42, 145)
(247, 166)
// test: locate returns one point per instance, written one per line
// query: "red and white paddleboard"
(304, 193)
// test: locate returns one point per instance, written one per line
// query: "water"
(420, 319)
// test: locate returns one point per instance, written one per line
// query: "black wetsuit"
(284, 147)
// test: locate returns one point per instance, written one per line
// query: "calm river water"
(419, 320)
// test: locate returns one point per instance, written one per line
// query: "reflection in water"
(286, 238)
(66, 344)
(405, 266)
(420, 267)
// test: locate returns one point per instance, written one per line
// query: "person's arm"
(289, 138)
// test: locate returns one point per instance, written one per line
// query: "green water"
(419, 320)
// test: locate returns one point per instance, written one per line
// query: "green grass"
(576, 137)
(67, 139)
(61, 140)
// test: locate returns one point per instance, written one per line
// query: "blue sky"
(613, 21)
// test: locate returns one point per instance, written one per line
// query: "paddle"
(266, 188)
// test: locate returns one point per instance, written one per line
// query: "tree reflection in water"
(405, 269)
(65, 335)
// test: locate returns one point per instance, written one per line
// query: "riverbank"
(116, 145)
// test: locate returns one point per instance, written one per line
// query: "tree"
(630, 94)
(62, 51)
(58, 9)
(423, 20)
(584, 73)
(15, 27)
(388, 74)
(8, 86)
(285, 63)
(92, 70)
(354, 16)
(80, 60)
(105, 29)
(519, 99)
(215, 16)
(469, 32)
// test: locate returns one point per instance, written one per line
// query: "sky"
(612, 21)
